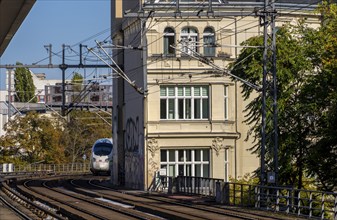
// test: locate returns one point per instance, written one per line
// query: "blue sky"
(57, 22)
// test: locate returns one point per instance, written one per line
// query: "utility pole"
(269, 139)
(63, 67)
(9, 74)
(49, 49)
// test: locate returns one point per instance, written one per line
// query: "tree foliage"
(77, 81)
(24, 85)
(82, 130)
(322, 94)
(306, 83)
(33, 138)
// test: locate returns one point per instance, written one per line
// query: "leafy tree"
(292, 67)
(321, 95)
(24, 85)
(77, 80)
(33, 138)
(307, 100)
(81, 131)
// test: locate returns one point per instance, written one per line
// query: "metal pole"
(50, 54)
(275, 110)
(63, 68)
(9, 72)
(264, 89)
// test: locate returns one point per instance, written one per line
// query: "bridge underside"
(23, 108)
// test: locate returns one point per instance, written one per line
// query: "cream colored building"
(190, 121)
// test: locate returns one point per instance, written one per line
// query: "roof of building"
(12, 14)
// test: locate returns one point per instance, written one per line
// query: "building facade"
(182, 116)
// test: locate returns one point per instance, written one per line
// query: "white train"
(101, 156)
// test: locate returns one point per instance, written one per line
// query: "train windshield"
(102, 149)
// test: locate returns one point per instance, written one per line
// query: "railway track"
(77, 206)
(194, 206)
(15, 213)
(88, 197)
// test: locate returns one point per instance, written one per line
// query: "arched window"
(189, 39)
(169, 39)
(209, 42)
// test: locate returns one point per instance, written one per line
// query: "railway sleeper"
(29, 204)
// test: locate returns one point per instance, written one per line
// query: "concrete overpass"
(12, 14)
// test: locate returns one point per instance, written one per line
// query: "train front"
(101, 156)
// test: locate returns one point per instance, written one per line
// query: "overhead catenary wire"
(239, 31)
(109, 29)
(206, 61)
(245, 29)
(119, 71)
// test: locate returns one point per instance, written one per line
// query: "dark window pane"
(171, 109)
(205, 108)
(171, 155)
(181, 155)
(171, 50)
(188, 155)
(163, 156)
(197, 155)
(197, 168)
(188, 170)
(197, 113)
(181, 108)
(166, 44)
(209, 45)
(169, 37)
(188, 108)
(205, 155)
(181, 170)
(163, 109)
(205, 169)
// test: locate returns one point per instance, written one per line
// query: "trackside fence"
(304, 203)
(56, 168)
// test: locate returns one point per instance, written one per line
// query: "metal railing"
(8, 169)
(197, 185)
(305, 203)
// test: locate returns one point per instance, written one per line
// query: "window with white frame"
(189, 39)
(186, 162)
(169, 39)
(184, 102)
(209, 42)
(226, 102)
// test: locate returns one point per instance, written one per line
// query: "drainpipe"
(236, 103)
(145, 103)
(236, 131)
(236, 100)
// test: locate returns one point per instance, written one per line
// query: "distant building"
(40, 82)
(49, 97)
(81, 96)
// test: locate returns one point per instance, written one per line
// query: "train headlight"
(94, 159)
(107, 160)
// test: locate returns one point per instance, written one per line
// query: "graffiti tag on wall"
(133, 135)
